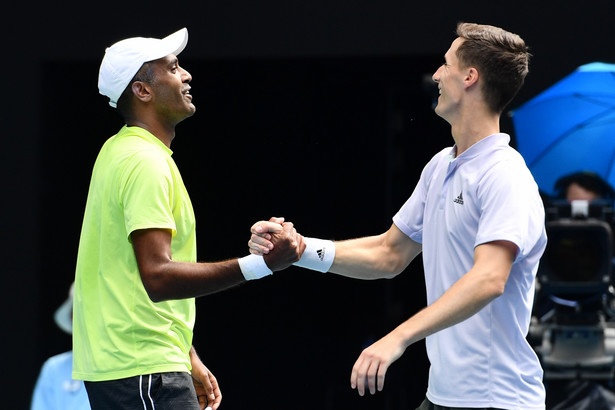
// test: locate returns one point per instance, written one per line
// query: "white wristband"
(318, 255)
(254, 267)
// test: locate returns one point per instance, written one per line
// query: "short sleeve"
(146, 193)
(511, 208)
(410, 217)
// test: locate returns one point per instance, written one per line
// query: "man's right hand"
(288, 246)
(260, 241)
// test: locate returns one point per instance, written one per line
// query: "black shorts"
(428, 405)
(160, 391)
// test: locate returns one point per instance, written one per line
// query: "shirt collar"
(486, 144)
(146, 135)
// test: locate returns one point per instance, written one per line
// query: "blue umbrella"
(570, 126)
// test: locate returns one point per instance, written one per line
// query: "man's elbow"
(155, 295)
(496, 288)
(497, 292)
(387, 269)
(392, 269)
(154, 286)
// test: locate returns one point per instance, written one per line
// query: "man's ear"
(471, 77)
(142, 91)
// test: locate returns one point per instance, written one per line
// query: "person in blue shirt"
(55, 388)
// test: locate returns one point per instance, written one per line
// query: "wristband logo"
(321, 254)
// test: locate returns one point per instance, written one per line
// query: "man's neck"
(164, 134)
(472, 127)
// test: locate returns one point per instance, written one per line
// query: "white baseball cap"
(124, 59)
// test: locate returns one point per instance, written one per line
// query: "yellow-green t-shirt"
(118, 331)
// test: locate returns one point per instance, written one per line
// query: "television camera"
(572, 326)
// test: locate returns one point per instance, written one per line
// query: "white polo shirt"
(485, 194)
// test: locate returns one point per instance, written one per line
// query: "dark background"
(316, 111)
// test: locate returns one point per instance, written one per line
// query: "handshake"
(280, 245)
(278, 242)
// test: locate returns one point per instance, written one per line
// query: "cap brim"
(63, 316)
(171, 44)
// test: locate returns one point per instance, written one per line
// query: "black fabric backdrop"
(315, 111)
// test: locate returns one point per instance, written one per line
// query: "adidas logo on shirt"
(459, 199)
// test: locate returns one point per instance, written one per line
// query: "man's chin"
(187, 114)
(191, 110)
